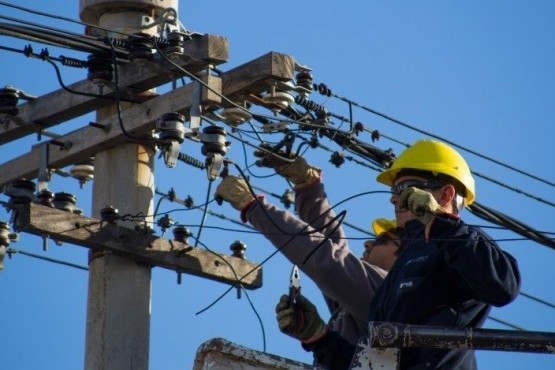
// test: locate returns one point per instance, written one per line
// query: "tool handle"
(293, 294)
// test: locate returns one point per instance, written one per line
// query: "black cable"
(208, 191)
(506, 323)
(272, 220)
(498, 218)
(548, 304)
(66, 88)
(239, 286)
(80, 43)
(12, 251)
(406, 125)
(340, 216)
(164, 196)
(70, 20)
(516, 190)
(116, 92)
(293, 236)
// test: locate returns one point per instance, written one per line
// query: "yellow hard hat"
(436, 157)
(382, 225)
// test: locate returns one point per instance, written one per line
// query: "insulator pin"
(175, 43)
(46, 198)
(171, 126)
(65, 201)
(238, 248)
(139, 47)
(304, 80)
(181, 233)
(20, 191)
(100, 68)
(109, 214)
(83, 171)
(9, 98)
(4, 234)
(214, 140)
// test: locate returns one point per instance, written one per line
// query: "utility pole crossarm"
(258, 75)
(87, 141)
(252, 77)
(61, 105)
(137, 245)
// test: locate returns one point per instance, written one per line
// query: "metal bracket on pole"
(196, 108)
(45, 173)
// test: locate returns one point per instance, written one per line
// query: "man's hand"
(234, 190)
(301, 321)
(421, 203)
(296, 170)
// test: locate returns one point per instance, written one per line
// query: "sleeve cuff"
(246, 207)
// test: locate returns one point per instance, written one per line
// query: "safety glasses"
(384, 239)
(430, 184)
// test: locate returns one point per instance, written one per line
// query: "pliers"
(294, 286)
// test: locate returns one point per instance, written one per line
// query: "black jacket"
(452, 279)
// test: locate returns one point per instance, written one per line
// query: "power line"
(506, 323)
(406, 125)
(13, 251)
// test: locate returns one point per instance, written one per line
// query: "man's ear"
(448, 193)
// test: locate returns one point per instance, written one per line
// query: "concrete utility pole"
(121, 258)
(118, 308)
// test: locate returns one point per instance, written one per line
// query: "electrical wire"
(66, 88)
(510, 167)
(350, 102)
(208, 192)
(59, 17)
(516, 226)
(13, 251)
(506, 323)
(238, 286)
(411, 127)
(538, 300)
(117, 96)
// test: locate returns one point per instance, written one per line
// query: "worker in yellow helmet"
(449, 274)
(383, 250)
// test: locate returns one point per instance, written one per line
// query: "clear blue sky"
(477, 73)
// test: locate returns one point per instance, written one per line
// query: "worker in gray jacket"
(316, 243)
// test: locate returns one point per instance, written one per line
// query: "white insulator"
(82, 172)
(235, 116)
(280, 99)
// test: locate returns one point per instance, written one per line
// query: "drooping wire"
(293, 236)
(237, 286)
(117, 94)
(208, 192)
(66, 88)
